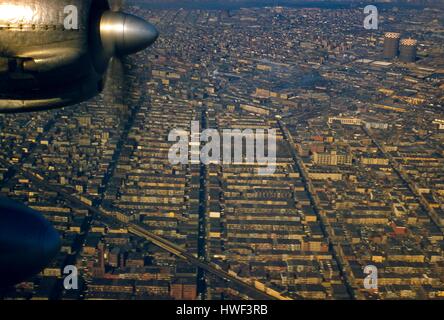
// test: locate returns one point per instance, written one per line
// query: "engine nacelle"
(44, 64)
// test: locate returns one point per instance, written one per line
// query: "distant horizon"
(237, 4)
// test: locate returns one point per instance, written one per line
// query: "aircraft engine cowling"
(47, 61)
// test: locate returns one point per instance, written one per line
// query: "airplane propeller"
(131, 35)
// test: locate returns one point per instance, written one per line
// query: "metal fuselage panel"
(25, 24)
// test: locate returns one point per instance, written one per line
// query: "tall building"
(391, 45)
(407, 50)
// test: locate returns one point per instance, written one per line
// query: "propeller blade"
(116, 86)
(121, 35)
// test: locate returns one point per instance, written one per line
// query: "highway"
(239, 283)
(233, 280)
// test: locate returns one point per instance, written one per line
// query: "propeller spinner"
(124, 34)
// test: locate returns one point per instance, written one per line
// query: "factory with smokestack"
(395, 47)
